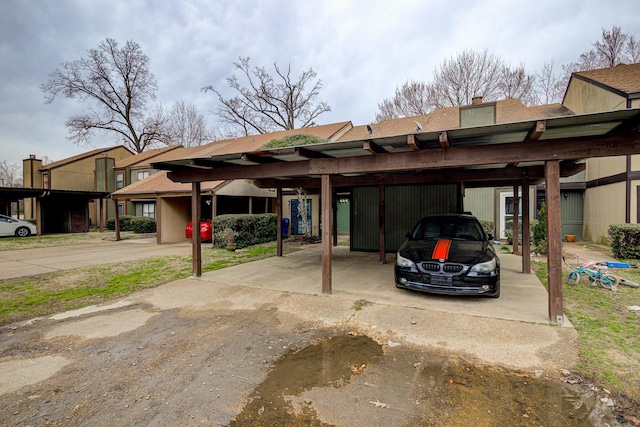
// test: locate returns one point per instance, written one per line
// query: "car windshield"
(456, 228)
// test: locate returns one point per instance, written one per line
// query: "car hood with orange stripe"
(449, 250)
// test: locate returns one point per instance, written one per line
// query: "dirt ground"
(154, 359)
(186, 354)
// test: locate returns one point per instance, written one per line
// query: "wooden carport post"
(196, 213)
(279, 221)
(526, 228)
(117, 219)
(516, 221)
(382, 244)
(326, 191)
(554, 245)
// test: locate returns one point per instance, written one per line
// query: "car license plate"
(441, 280)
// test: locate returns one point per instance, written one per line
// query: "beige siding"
(175, 216)
(605, 166)
(480, 202)
(634, 202)
(579, 177)
(635, 103)
(603, 206)
(583, 97)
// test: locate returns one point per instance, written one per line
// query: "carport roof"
(14, 194)
(497, 153)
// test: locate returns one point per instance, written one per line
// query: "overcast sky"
(361, 50)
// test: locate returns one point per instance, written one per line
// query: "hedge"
(625, 240)
(137, 224)
(143, 224)
(125, 223)
(249, 229)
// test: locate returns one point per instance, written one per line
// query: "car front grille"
(447, 268)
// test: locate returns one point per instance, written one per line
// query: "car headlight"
(404, 262)
(484, 267)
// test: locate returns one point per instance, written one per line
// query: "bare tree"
(186, 126)
(614, 48)
(119, 84)
(457, 82)
(548, 87)
(516, 83)
(466, 76)
(412, 99)
(269, 103)
(10, 174)
(611, 47)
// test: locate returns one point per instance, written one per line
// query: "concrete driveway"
(359, 276)
(27, 262)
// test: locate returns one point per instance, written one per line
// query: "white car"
(15, 227)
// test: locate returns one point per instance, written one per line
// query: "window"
(119, 179)
(45, 180)
(142, 175)
(149, 209)
(120, 209)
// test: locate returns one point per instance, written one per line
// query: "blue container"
(617, 264)
(285, 226)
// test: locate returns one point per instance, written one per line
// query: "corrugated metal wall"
(404, 206)
(571, 213)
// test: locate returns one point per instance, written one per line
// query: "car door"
(6, 226)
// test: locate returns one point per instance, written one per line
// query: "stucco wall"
(582, 97)
(174, 214)
(603, 206)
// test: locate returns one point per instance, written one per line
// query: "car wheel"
(23, 232)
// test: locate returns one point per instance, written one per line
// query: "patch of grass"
(29, 297)
(47, 241)
(357, 306)
(609, 344)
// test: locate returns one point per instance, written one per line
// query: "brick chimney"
(476, 100)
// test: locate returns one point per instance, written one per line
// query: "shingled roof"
(624, 78)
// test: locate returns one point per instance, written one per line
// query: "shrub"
(293, 141)
(539, 237)
(143, 224)
(248, 229)
(625, 240)
(488, 226)
(125, 223)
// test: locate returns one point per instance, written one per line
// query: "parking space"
(359, 276)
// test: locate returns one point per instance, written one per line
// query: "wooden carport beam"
(444, 140)
(413, 142)
(536, 133)
(309, 154)
(554, 245)
(373, 148)
(248, 157)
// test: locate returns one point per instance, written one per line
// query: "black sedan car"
(449, 254)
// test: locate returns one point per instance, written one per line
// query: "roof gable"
(624, 78)
(82, 156)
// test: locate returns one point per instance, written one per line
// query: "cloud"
(361, 50)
